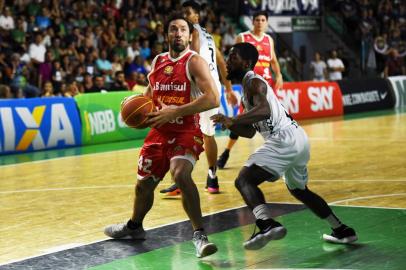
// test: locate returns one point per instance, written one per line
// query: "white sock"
(212, 173)
(333, 221)
(262, 212)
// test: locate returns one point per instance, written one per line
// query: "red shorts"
(159, 148)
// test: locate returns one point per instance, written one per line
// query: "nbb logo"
(101, 122)
(44, 126)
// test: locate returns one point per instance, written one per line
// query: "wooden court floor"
(51, 205)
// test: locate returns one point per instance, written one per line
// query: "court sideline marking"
(197, 182)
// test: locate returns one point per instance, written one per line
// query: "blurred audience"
(318, 68)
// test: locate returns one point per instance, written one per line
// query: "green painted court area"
(381, 245)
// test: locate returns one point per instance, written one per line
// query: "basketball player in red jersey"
(266, 60)
(181, 86)
(203, 43)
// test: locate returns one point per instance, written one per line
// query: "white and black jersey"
(279, 118)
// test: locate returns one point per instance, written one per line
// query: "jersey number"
(212, 54)
(144, 164)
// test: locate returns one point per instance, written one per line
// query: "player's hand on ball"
(162, 116)
(224, 121)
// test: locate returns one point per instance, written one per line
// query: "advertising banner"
(285, 7)
(101, 118)
(399, 89)
(305, 100)
(362, 95)
(306, 23)
(38, 124)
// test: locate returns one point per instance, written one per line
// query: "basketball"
(134, 110)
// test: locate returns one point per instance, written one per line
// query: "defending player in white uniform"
(285, 152)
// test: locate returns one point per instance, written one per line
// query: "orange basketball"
(134, 110)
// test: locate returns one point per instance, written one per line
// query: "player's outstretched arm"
(246, 131)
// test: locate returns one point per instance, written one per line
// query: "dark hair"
(118, 73)
(247, 52)
(195, 6)
(259, 13)
(177, 16)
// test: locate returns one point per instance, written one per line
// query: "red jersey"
(171, 83)
(265, 47)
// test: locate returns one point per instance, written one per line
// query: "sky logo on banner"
(321, 98)
(34, 130)
(289, 98)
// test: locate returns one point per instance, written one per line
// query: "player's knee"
(300, 194)
(144, 187)
(241, 181)
(181, 178)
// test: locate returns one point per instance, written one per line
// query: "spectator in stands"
(103, 64)
(48, 90)
(286, 63)
(90, 65)
(4, 68)
(137, 65)
(87, 84)
(229, 38)
(7, 20)
(37, 50)
(5, 92)
(133, 50)
(121, 49)
(394, 65)
(18, 35)
(45, 69)
(19, 78)
(318, 68)
(58, 76)
(132, 79)
(99, 84)
(145, 50)
(43, 20)
(335, 67)
(116, 65)
(119, 83)
(158, 35)
(71, 89)
(141, 84)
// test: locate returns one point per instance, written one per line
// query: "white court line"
(357, 139)
(66, 157)
(197, 182)
(369, 197)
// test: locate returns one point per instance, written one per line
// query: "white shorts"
(285, 153)
(206, 125)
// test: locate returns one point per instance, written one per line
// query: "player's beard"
(178, 47)
(236, 74)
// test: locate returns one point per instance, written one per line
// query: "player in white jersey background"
(203, 43)
(285, 152)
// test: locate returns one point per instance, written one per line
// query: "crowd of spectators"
(380, 29)
(65, 47)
